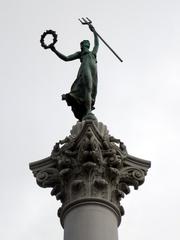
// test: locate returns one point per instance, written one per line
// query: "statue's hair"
(86, 42)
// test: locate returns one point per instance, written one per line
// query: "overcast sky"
(138, 100)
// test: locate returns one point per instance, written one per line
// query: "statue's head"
(85, 44)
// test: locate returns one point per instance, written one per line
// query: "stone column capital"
(90, 166)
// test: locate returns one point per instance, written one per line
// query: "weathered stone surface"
(90, 166)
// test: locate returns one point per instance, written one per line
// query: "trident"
(87, 21)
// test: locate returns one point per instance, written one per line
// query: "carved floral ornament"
(90, 164)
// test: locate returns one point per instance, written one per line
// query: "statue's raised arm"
(96, 40)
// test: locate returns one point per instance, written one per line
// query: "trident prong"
(80, 20)
(87, 21)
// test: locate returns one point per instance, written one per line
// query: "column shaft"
(90, 222)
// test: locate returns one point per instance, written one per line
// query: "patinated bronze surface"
(83, 91)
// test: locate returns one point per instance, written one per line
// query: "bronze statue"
(83, 91)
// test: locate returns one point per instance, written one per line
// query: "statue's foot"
(89, 116)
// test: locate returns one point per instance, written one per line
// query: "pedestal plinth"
(90, 172)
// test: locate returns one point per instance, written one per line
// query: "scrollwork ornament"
(42, 176)
(48, 177)
(48, 32)
(138, 175)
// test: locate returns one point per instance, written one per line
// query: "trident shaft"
(87, 21)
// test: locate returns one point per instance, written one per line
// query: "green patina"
(83, 91)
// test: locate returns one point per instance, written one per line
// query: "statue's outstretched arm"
(66, 58)
(96, 40)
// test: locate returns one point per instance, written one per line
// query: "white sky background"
(138, 100)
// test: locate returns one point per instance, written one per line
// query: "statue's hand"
(91, 28)
(52, 47)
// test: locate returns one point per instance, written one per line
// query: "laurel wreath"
(51, 32)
